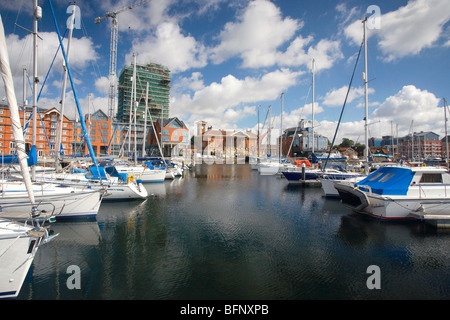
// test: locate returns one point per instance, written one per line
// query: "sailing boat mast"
(281, 128)
(145, 121)
(37, 15)
(63, 96)
(129, 115)
(366, 102)
(446, 135)
(312, 106)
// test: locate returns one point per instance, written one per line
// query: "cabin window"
(375, 176)
(431, 178)
(386, 177)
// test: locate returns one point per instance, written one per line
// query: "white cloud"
(411, 104)
(20, 52)
(171, 48)
(325, 53)
(259, 31)
(258, 35)
(213, 102)
(102, 85)
(407, 30)
(336, 97)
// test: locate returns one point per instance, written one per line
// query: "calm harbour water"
(225, 232)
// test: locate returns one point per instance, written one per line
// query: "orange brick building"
(46, 134)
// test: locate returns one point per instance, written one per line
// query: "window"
(386, 177)
(375, 176)
(431, 178)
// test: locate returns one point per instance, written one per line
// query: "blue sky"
(228, 57)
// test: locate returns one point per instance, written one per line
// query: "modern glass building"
(158, 79)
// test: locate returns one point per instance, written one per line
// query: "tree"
(347, 143)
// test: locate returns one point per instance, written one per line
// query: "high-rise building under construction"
(158, 79)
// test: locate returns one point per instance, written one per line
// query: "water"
(225, 232)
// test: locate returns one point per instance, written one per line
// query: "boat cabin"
(399, 181)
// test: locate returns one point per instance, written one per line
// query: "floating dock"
(437, 219)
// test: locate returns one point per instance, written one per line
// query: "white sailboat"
(18, 243)
(19, 198)
(18, 246)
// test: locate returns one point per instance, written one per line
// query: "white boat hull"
(146, 175)
(17, 251)
(406, 196)
(51, 200)
(116, 190)
(269, 169)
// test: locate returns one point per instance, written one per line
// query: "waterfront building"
(158, 79)
(421, 145)
(225, 143)
(298, 141)
(46, 134)
(173, 135)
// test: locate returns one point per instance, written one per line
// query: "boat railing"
(364, 188)
(35, 213)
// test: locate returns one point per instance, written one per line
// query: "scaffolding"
(158, 79)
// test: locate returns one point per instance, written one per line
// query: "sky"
(232, 59)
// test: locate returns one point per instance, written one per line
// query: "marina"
(132, 202)
(227, 232)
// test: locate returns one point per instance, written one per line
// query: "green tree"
(347, 143)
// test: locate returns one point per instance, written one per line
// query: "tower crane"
(113, 51)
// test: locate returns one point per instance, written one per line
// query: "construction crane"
(113, 51)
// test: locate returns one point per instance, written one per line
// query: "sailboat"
(18, 242)
(273, 166)
(44, 200)
(145, 173)
(118, 187)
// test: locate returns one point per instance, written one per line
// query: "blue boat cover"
(32, 156)
(388, 181)
(97, 174)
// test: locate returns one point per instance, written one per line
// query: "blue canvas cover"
(32, 156)
(97, 174)
(388, 181)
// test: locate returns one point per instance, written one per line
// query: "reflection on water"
(225, 232)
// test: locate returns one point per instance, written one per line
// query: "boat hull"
(67, 205)
(146, 175)
(268, 169)
(17, 249)
(116, 190)
(389, 207)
